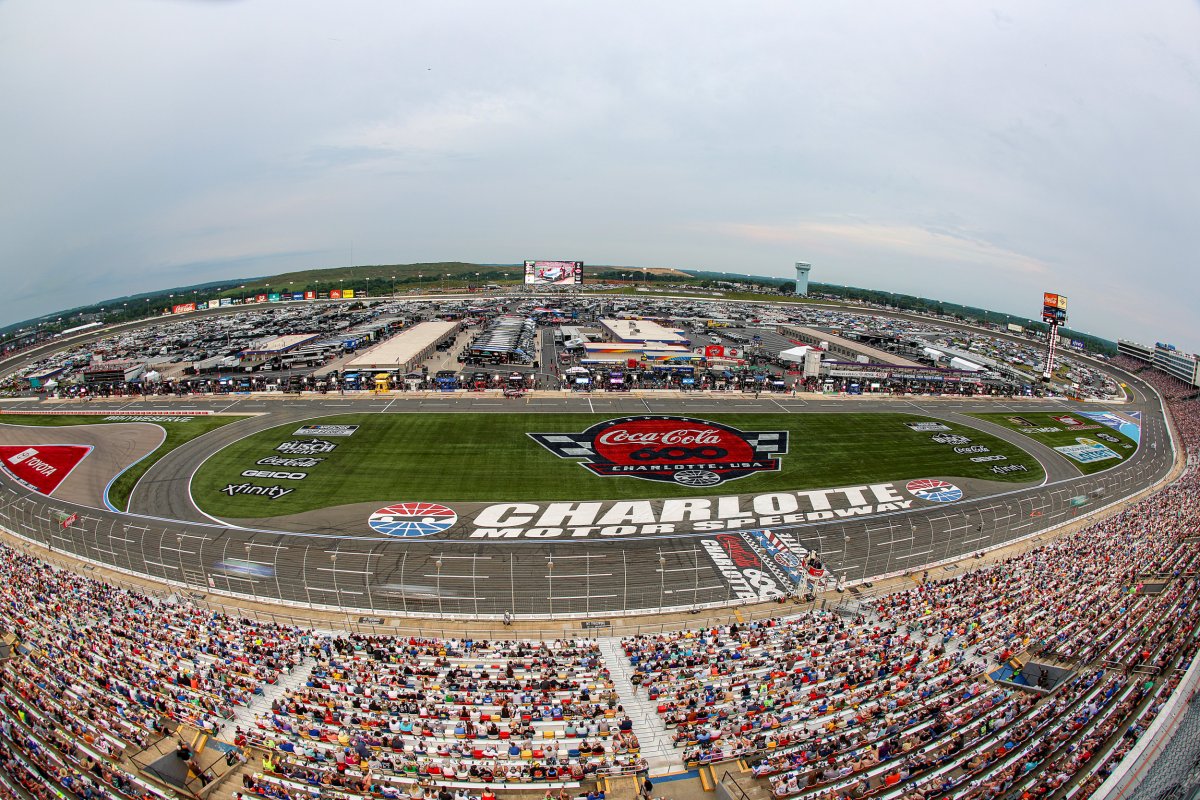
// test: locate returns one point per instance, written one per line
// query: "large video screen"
(554, 273)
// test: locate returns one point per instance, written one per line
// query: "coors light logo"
(692, 452)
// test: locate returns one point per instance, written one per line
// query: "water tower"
(802, 268)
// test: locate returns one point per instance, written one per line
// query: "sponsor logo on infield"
(326, 430)
(408, 520)
(681, 450)
(934, 491)
(310, 448)
(927, 427)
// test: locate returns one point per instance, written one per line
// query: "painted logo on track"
(934, 491)
(410, 520)
(681, 450)
(43, 466)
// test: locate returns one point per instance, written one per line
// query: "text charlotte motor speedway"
(641, 517)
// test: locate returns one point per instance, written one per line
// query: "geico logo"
(266, 473)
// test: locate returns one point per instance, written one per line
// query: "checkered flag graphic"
(565, 445)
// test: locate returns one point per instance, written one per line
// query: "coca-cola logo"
(680, 450)
(677, 436)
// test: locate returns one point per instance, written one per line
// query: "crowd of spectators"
(386, 715)
(104, 671)
(898, 697)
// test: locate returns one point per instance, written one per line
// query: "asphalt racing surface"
(166, 537)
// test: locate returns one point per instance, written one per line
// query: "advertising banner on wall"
(183, 308)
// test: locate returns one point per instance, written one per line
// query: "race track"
(168, 538)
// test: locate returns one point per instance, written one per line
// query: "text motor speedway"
(650, 517)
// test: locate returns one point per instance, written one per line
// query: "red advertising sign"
(714, 351)
(183, 308)
(335, 294)
(42, 466)
(260, 298)
(310, 295)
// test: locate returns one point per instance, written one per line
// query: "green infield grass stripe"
(491, 458)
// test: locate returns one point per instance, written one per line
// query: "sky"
(958, 150)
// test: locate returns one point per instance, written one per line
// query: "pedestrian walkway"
(261, 704)
(656, 745)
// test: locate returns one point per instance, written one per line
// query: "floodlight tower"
(802, 268)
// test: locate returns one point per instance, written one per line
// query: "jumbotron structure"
(981, 596)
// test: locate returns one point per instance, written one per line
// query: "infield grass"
(488, 458)
(1065, 435)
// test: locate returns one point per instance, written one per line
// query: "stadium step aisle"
(657, 746)
(244, 717)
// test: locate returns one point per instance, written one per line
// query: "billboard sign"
(274, 297)
(553, 273)
(260, 298)
(1013, 328)
(1054, 308)
(347, 294)
(183, 308)
(335, 294)
(310, 295)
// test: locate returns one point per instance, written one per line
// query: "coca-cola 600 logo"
(692, 452)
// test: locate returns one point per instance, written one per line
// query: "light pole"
(393, 287)
(662, 577)
(438, 564)
(550, 578)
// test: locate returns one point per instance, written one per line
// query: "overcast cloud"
(946, 149)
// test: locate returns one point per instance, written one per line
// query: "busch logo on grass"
(691, 452)
(306, 448)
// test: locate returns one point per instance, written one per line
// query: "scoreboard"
(1054, 308)
(554, 273)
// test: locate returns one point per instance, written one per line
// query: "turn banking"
(644, 517)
